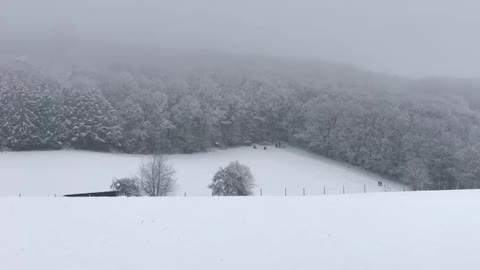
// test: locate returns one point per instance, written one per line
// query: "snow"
(47, 173)
(395, 231)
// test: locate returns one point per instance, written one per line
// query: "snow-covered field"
(61, 172)
(394, 231)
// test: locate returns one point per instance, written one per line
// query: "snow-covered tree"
(90, 121)
(5, 107)
(20, 123)
(126, 186)
(48, 112)
(415, 174)
(190, 127)
(234, 180)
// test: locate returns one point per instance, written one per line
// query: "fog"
(405, 37)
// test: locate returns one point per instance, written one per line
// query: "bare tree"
(156, 177)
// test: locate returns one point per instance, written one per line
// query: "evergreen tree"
(90, 121)
(20, 123)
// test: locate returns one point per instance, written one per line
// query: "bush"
(127, 186)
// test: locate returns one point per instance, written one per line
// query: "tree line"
(423, 132)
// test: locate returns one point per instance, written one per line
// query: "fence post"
(261, 192)
(285, 192)
(303, 191)
(364, 188)
(185, 194)
(324, 190)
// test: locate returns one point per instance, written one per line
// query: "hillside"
(422, 132)
(46, 173)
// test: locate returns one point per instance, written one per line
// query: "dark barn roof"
(96, 194)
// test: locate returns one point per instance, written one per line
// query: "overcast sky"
(405, 37)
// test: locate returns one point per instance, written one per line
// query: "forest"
(424, 132)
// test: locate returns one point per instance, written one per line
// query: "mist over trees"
(423, 132)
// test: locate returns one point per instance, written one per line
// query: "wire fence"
(317, 190)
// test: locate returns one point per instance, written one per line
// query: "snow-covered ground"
(394, 231)
(61, 172)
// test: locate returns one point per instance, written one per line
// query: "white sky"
(406, 37)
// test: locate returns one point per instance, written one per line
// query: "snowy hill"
(395, 231)
(62, 172)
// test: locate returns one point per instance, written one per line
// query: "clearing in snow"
(46, 173)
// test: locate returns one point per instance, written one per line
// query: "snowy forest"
(424, 132)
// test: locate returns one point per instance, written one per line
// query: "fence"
(320, 190)
(329, 190)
